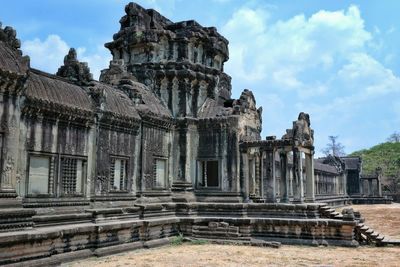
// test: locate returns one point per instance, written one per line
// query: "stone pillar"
(252, 176)
(92, 159)
(379, 185)
(262, 173)
(257, 174)
(370, 188)
(360, 187)
(14, 216)
(310, 182)
(246, 176)
(269, 176)
(298, 194)
(9, 142)
(284, 183)
(183, 182)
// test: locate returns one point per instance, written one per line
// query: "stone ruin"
(156, 148)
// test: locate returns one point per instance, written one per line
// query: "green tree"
(385, 156)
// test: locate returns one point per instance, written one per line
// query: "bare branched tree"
(334, 147)
(394, 137)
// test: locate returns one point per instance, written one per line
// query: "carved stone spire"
(9, 36)
(76, 71)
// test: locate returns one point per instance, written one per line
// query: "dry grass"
(383, 218)
(228, 255)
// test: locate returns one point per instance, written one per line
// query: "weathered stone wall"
(156, 144)
(112, 143)
(51, 138)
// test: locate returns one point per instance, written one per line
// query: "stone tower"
(181, 62)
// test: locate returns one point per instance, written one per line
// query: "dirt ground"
(383, 218)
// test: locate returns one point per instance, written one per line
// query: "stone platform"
(371, 200)
(116, 230)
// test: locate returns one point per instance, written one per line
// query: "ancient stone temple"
(157, 147)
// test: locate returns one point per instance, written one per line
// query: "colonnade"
(260, 174)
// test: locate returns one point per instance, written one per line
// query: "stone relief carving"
(7, 172)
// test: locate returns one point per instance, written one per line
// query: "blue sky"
(336, 60)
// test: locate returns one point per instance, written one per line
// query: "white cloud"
(264, 50)
(97, 61)
(364, 73)
(322, 64)
(48, 55)
(164, 7)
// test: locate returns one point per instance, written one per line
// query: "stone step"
(330, 210)
(391, 242)
(59, 219)
(374, 235)
(369, 231)
(214, 233)
(326, 207)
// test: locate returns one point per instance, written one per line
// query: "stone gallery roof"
(145, 100)
(318, 165)
(116, 101)
(11, 60)
(54, 92)
(352, 163)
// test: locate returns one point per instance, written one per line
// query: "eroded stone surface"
(155, 148)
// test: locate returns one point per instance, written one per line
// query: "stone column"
(361, 186)
(370, 188)
(246, 176)
(92, 159)
(379, 185)
(257, 174)
(284, 183)
(9, 142)
(310, 182)
(262, 173)
(15, 217)
(269, 176)
(183, 182)
(252, 176)
(298, 195)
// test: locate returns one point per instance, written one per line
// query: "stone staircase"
(329, 212)
(368, 236)
(364, 234)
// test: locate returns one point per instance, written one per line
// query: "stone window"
(73, 171)
(208, 173)
(160, 173)
(39, 175)
(118, 174)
